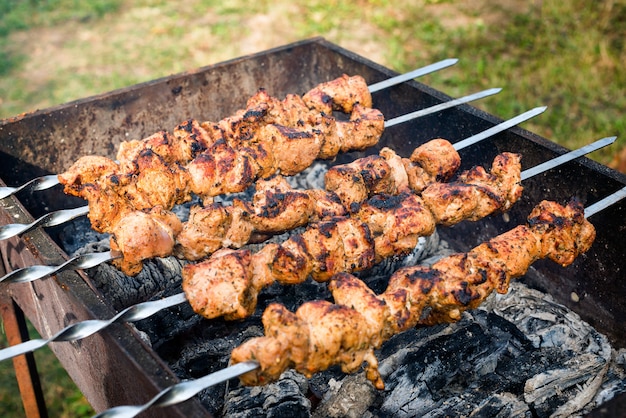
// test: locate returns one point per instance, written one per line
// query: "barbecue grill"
(49, 141)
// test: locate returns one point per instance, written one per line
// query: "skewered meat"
(476, 193)
(140, 235)
(389, 173)
(275, 207)
(385, 225)
(214, 158)
(339, 94)
(321, 334)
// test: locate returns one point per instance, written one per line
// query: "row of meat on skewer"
(371, 209)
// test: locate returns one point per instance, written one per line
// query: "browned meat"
(396, 222)
(438, 158)
(140, 235)
(188, 139)
(153, 183)
(398, 172)
(422, 172)
(293, 149)
(389, 173)
(565, 232)
(362, 131)
(210, 228)
(276, 207)
(385, 225)
(86, 172)
(326, 205)
(339, 94)
(220, 169)
(221, 285)
(476, 193)
(346, 333)
(356, 181)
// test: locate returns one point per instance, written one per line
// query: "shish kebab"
(415, 296)
(85, 261)
(209, 159)
(276, 207)
(46, 182)
(269, 136)
(144, 310)
(385, 225)
(64, 215)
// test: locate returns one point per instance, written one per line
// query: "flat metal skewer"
(441, 106)
(64, 215)
(145, 309)
(46, 182)
(36, 184)
(183, 391)
(600, 143)
(412, 74)
(499, 127)
(49, 219)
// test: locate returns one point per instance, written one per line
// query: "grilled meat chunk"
(321, 334)
(384, 226)
(144, 234)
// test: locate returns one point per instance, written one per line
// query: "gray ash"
(519, 354)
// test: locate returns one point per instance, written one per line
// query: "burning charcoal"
(455, 364)
(284, 398)
(351, 397)
(122, 290)
(77, 234)
(501, 406)
(550, 392)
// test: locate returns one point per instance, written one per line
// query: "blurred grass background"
(568, 55)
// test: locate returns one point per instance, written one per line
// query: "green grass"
(63, 399)
(567, 55)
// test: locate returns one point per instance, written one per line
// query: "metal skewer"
(185, 390)
(37, 184)
(64, 215)
(32, 273)
(600, 143)
(412, 74)
(605, 203)
(49, 219)
(441, 106)
(46, 182)
(499, 127)
(145, 309)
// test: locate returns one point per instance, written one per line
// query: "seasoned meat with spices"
(321, 334)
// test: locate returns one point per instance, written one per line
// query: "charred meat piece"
(321, 334)
(385, 225)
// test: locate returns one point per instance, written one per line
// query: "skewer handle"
(182, 391)
(49, 219)
(84, 329)
(36, 184)
(32, 273)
